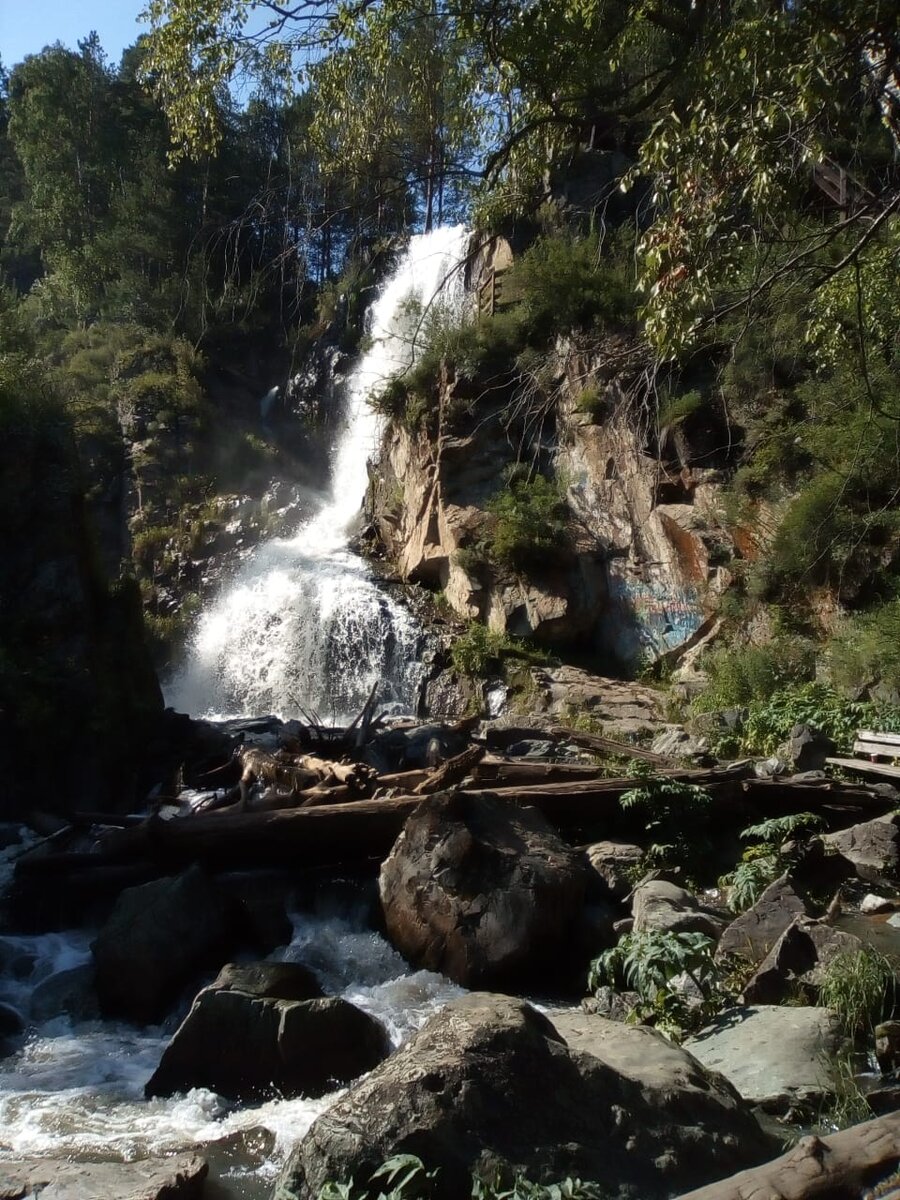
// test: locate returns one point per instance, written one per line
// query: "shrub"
(677, 408)
(865, 650)
(770, 722)
(739, 675)
(474, 651)
(675, 816)
(530, 524)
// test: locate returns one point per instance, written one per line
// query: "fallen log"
(605, 745)
(454, 770)
(492, 770)
(839, 1166)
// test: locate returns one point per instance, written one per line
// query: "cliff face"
(645, 553)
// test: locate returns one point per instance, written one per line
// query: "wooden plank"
(880, 749)
(877, 735)
(862, 767)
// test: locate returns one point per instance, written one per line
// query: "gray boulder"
(177, 1178)
(753, 934)
(807, 748)
(659, 906)
(488, 1084)
(797, 961)
(156, 939)
(481, 890)
(249, 1044)
(611, 862)
(776, 1057)
(872, 848)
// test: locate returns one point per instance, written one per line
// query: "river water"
(302, 623)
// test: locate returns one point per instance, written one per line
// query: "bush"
(770, 722)
(474, 651)
(677, 408)
(738, 675)
(530, 524)
(675, 817)
(865, 650)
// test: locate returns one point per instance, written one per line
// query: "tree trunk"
(838, 1167)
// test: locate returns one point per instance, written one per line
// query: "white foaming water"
(303, 623)
(75, 1089)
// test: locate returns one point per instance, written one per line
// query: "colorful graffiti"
(651, 617)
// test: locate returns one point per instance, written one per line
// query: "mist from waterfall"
(303, 622)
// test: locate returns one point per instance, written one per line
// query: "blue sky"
(27, 26)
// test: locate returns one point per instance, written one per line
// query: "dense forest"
(702, 195)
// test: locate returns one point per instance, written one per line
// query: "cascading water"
(304, 623)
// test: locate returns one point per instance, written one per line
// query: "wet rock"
(660, 906)
(533, 749)
(753, 934)
(12, 1026)
(774, 1056)
(247, 1045)
(269, 980)
(260, 906)
(613, 862)
(489, 1081)
(872, 848)
(15, 960)
(871, 905)
(797, 961)
(176, 1178)
(481, 890)
(157, 937)
(71, 993)
(887, 1045)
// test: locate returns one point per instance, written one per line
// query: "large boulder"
(488, 1084)
(872, 848)
(68, 993)
(264, 1030)
(797, 961)
(612, 864)
(177, 1178)
(156, 939)
(662, 907)
(753, 934)
(776, 1057)
(481, 890)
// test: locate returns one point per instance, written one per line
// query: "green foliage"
(474, 651)
(529, 529)
(738, 675)
(763, 862)
(675, 816)
(865, 650)
(649, 963)
(749, 879)
(402, 1177)
(524, 1189)
(860, 986)
(677, 408)
(779, 829)
(769, 722)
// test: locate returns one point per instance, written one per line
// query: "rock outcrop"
(481, 890)
(776, 1057)
(753, 934)
(646, 547)
(871, 848)
(177, 1178)
(489, 1084)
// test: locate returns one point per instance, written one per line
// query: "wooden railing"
(841, 188)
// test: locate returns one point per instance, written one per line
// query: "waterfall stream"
(303, 623)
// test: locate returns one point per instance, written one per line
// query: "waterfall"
(303, 623)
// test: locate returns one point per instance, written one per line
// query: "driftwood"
(605, 745)
(454, 770)
(838, 1167)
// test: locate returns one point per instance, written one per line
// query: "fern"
(779, 829)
